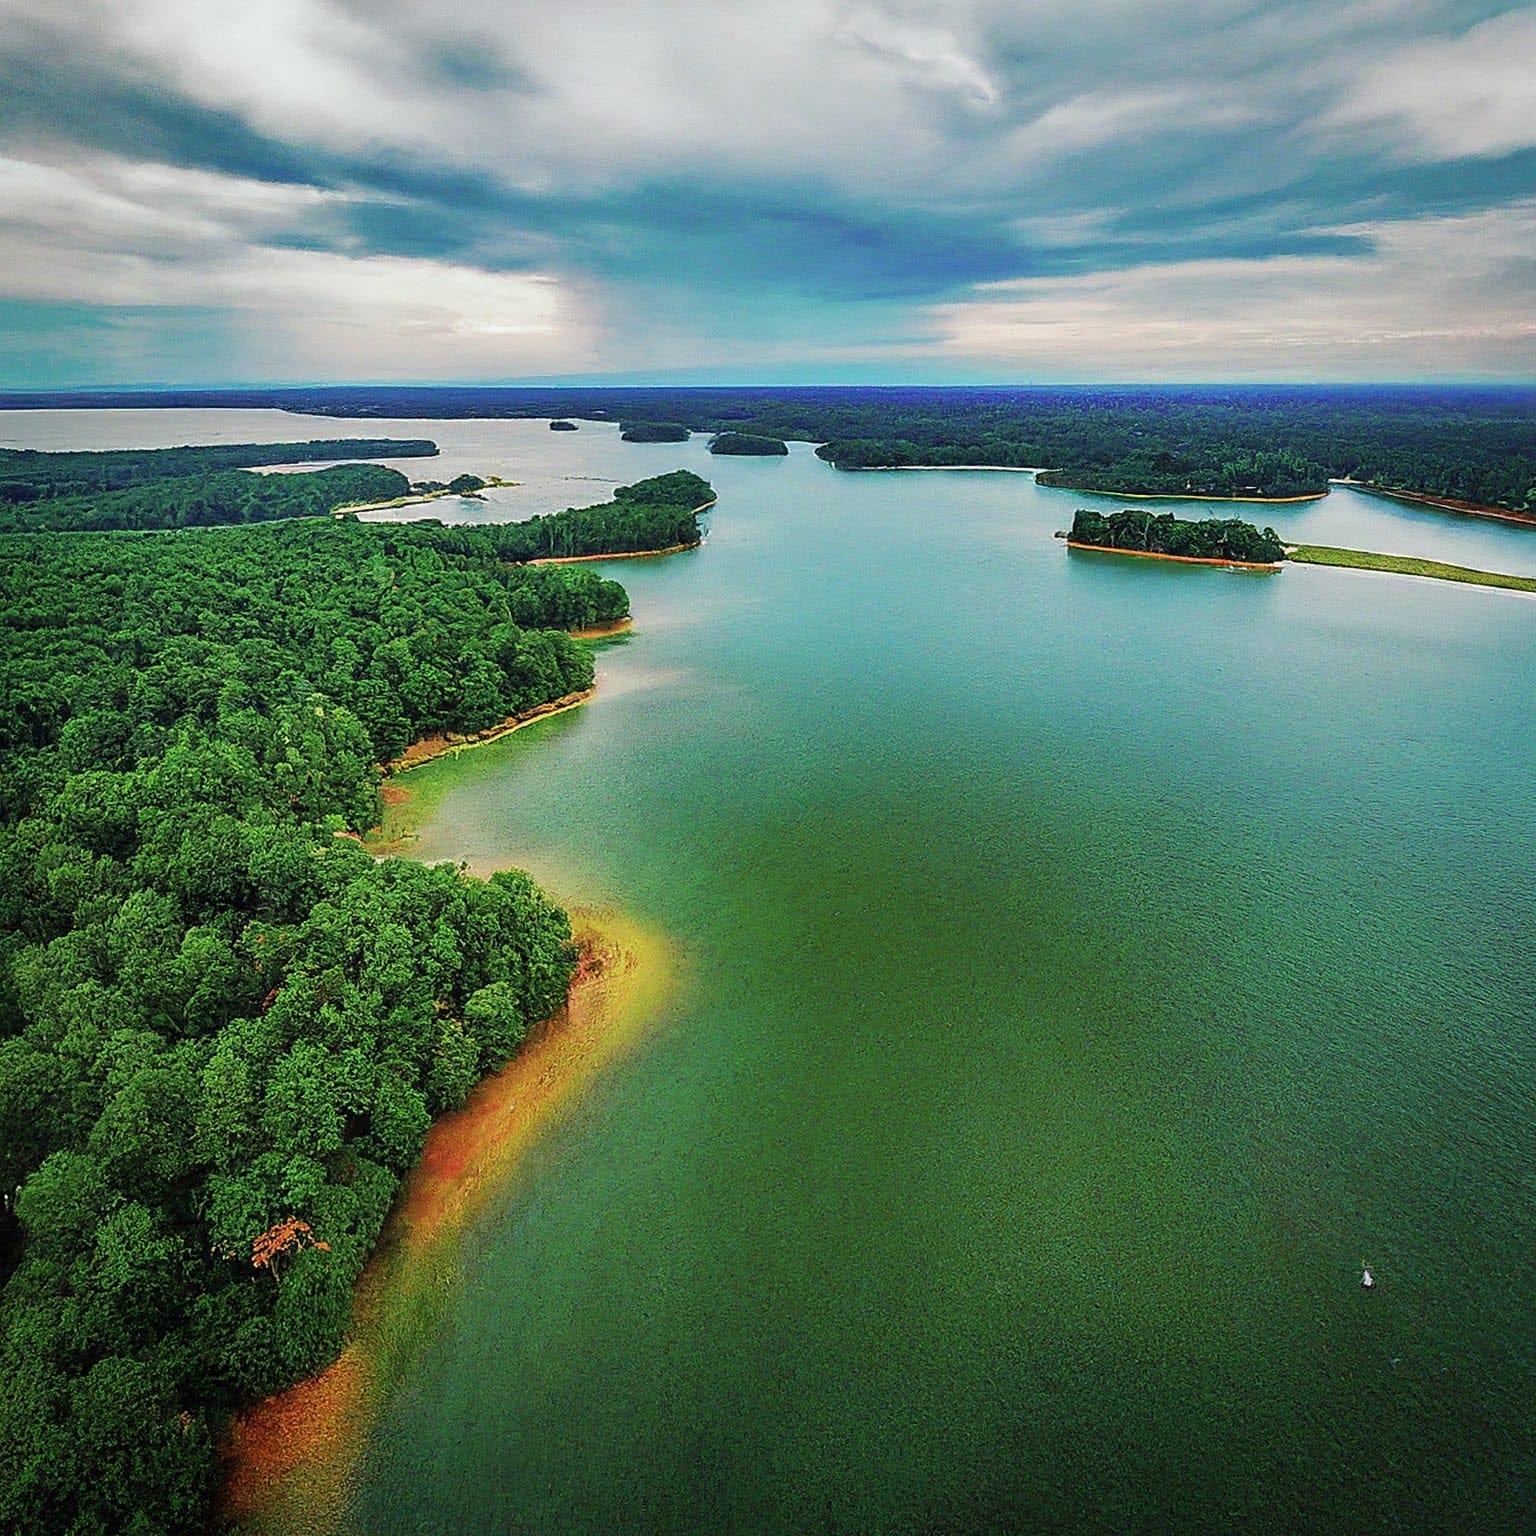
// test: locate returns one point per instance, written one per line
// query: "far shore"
(1153, 554)
(1260, 501)
(1443, 503)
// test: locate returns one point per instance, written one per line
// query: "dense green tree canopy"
(29, 474)
(201, 501)
(224, 1028)
(747, 444)
(653, 432)
(1164, 534)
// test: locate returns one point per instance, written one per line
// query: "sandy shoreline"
(292, 1459)
(628, 554)
(429, 747)
(992, 469)
(417, 499)
(1443, 503)
(603, 631)
(1152, 554)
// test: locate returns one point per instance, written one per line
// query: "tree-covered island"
(653, 432)
(747, 444)
(1136, 531)
(224, 1030)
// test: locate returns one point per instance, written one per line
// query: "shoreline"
(439, 745)
(1152, 554)
(994, 469)
(628, 554)
(1443, 503)
(603, 631)
(418, 499)
(292, 1459)
(1255, 501)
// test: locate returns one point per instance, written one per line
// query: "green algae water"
(1091, 964)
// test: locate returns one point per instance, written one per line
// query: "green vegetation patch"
(29, 474)
(1152, 533)
(225, 1030)
(747, 444)
(212, 500)
(653, 432)
(1408, 565)
(659, 513)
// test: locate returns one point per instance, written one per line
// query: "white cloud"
(1445, 296)
(1442, 98)
(116, 234)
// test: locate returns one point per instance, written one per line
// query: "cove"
(1093, 962)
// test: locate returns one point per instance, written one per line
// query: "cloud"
(600, 184)
(1444, 98)
(1447, 297)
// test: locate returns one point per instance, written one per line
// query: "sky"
(690, 191)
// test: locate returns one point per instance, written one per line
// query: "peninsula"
(273, 1018)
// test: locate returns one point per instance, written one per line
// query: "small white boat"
(1367, 1281)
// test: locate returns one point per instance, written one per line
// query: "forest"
(30, 474)
(653, 432)
(1164, 534)
(659, 513)
(747, 444)
(211, 500)
(1476, 444)
(224, 1027)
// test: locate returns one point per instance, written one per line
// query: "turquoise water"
(1088, 964)
(1091, 963)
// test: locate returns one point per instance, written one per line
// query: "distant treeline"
(747, 444)
(1164, 534)
(653, 432)
(28, 474)
(223, 1030)
(212, 500)
(1471, 444)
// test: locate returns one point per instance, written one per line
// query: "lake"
(1088, 964)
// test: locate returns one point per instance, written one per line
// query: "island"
(653, 432)
(1210, 541)
(747, 444)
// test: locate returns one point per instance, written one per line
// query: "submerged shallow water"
(1093, 962)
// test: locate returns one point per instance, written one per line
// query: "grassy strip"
(1407, 565)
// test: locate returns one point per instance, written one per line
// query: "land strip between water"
(1406, 565)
